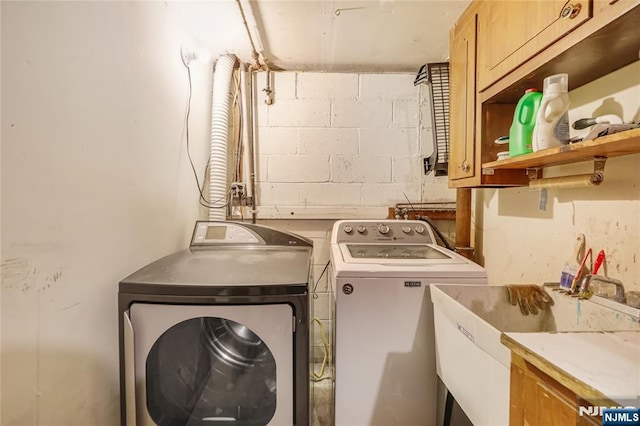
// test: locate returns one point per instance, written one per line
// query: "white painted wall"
(518, 243)
(95, 184)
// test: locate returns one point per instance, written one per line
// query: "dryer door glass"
(210, 370)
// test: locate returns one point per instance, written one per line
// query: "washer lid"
(409, 260)
(229, 266)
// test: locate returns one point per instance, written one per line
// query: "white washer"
(385, 371)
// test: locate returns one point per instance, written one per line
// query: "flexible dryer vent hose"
(219, 137)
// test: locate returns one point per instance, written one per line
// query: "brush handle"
(599, 261)
(575, 279)
(578, 249)
(583, 123)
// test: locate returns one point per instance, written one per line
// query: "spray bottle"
(552, 121)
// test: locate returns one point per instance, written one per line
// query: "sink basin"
(470, 359)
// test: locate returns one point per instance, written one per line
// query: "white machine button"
(419, 229)
(360, 228)
(383, 229)
(348, 229)
(406, 229)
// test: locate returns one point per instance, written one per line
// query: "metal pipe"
(251, 146)
(251, 26)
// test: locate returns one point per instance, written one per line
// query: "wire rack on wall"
(437, 76)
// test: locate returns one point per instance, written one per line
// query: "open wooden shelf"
(623, 143)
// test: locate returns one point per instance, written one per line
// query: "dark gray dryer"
(218, 333)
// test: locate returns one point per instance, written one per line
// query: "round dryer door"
(211, 370)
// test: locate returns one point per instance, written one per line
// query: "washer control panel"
(376, 231)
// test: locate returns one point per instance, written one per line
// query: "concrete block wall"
(344, 140)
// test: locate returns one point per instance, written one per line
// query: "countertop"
(601, 367)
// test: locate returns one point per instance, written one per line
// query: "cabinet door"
(538, 400)
(462, 90)
(608, 6)
(514, 31)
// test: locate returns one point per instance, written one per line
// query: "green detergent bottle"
(524, 120)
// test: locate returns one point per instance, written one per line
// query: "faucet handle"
(610, 288)
(619, 296)
(585, 292)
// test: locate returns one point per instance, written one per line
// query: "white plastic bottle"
(552, 120)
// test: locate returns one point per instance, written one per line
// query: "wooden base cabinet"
(536, 399)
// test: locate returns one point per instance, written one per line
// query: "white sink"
(470, 359)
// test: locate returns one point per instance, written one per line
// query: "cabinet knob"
(570, 11)
(465, 166)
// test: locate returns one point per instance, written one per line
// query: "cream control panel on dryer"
(376, 231)
(215, 233)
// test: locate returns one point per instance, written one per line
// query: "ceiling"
(327, 35)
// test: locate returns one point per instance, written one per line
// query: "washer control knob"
(383, 229)
(360, 228)
(406, 229)
(419, 229)
(348, 229)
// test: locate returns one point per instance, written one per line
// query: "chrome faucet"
(602, 286)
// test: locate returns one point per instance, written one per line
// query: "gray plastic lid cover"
(232, 266)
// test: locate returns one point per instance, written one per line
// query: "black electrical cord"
(315, 295)
(431, 224)
(438, 233)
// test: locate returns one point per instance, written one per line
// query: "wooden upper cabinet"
(511, 32)
(498, 49)
(462, 92)
(609, 6)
